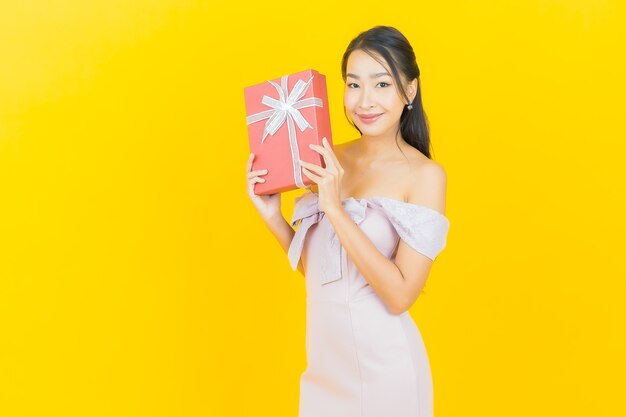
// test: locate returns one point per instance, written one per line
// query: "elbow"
(401, 304)
(398, 307)
(398, 311)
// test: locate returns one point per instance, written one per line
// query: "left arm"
(382, 274)
(397, 283)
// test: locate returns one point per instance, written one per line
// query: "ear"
(412, 89)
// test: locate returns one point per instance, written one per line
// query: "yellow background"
(136, 278)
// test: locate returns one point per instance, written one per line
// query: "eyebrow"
(379, 74)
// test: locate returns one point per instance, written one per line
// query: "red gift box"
(284, 117)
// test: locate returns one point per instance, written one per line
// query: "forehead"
(362, 63)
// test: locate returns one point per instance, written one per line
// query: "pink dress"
(362, 360)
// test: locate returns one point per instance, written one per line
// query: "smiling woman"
(366, 259)
(391, 80)
(363, 91)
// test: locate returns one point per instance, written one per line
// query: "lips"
(369, 118)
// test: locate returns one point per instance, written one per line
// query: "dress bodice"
(384, 220)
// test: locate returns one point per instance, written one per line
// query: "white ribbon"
(287, 108)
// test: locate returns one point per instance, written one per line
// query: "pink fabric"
(362, 360)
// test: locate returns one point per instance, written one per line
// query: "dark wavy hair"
(389, 44)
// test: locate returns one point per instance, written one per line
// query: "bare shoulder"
(344, 151)
(427, 184)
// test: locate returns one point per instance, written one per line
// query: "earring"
(410, 106)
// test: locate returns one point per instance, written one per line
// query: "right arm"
(284, 234)
(268, 207)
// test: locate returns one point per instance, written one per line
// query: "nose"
(366, 100)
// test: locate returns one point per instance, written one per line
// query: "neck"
(377, 147)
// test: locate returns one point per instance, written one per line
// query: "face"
(372, 99)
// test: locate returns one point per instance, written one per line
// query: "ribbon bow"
(308, 213)
(287, 108)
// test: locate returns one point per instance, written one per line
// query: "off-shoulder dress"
(362, 360)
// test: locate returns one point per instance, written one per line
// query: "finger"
(312, 176)
(257, 172)
(312, 167)
(251, 183)
(328, 159)
(331, 152)
(249, 165)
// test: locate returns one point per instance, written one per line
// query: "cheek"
(349, 100)
(391, 100)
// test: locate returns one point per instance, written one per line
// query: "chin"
(372, 130)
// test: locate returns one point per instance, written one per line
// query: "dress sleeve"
(422, 228)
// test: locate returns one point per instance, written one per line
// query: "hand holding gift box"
(285, 116)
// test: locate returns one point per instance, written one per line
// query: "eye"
(350, 84)
(386, 84)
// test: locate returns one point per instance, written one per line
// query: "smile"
(369, 118)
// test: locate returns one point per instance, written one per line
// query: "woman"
(368, 234)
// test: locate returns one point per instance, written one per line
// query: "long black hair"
(389, 44)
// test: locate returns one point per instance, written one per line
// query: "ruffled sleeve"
(422, 228)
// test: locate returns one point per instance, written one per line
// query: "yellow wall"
(137, 280)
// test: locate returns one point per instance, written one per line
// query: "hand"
(268, 206)
(328, 179)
